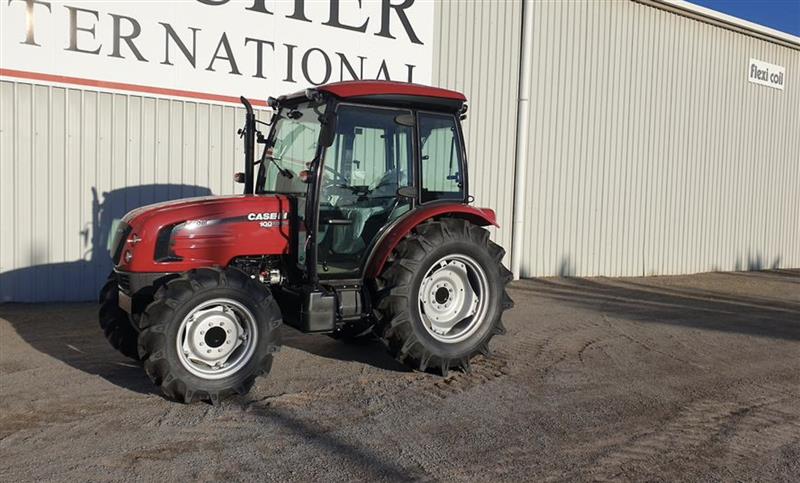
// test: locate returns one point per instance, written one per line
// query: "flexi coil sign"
(766, 74)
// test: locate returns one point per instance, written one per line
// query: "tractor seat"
(349, 239)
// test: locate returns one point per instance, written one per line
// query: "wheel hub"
(215, 337)
(211, 336)
(442, 294)
(447, 296)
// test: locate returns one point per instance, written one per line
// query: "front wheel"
(442, 295)
(209, 334)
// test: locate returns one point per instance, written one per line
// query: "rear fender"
(403, 226)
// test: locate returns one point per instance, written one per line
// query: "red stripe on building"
(123, 86)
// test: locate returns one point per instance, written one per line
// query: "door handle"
(338, 221)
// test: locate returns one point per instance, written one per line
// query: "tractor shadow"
(369, 350)
(69, 332)
(370, 465)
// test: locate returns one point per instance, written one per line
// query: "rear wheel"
(209, 334)
(442, 295)
(115, 322)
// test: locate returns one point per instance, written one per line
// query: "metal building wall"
(650, 152)
(477, 53)
(72, 161)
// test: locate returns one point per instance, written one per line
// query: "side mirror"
(409, 192)
(238, 178)
(328, 133)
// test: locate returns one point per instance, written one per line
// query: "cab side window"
(441, 162)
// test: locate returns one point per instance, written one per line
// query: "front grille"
(124, 282)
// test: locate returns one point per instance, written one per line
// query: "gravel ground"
(664, 378)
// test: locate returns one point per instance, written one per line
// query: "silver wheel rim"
(217, 338)
(453, 298)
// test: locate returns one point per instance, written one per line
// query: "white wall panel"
(73, 160)
(651, 153)
(477, 53)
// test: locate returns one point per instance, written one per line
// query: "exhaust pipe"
(249, 135)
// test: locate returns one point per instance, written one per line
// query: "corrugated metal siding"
(651, 153)
(477, 53)
(72, 161)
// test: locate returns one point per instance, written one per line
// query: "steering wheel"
(338, 183)
(336, 186)
(335, 173)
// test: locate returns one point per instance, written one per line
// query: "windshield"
(293, 139)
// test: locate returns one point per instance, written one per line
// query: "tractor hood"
(179, 235)
(213, 206)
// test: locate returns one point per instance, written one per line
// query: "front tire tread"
(153, 339)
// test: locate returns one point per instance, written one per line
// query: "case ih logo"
(268, 220)
(267, 216)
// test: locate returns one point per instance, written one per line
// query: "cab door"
(371, 157)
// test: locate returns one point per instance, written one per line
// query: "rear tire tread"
(394, 326)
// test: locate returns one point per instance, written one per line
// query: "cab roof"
(358, 89)
(389, 93)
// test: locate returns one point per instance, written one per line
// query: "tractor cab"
(356, 161)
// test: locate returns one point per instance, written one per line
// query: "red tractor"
(355, 220)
